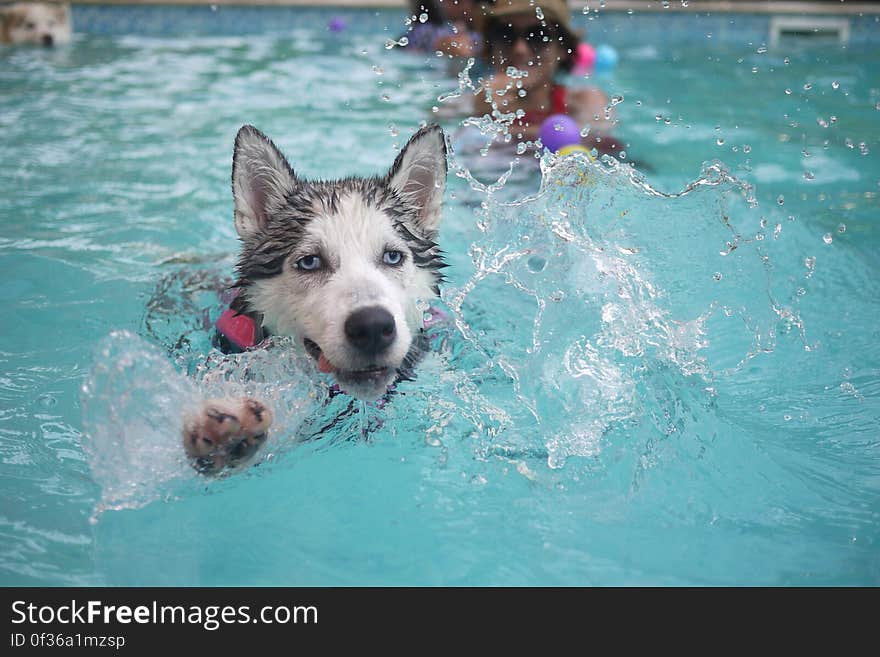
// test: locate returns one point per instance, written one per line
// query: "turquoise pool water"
(663, 377)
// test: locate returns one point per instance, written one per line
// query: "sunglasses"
(536, 36)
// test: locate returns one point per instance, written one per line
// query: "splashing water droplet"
(393, 131)
(841, 228)
(808, 86)
(720, 141)
(788, 92)
(539, 13)
(809, 175)
(747, 148)
(386, 98)
(786, 61)
(863, 148)
(780, 199)
(378, 70)
(402, 42)
(520, 148)
(827, 238)
(835, 85)
(423, 18)
(717, 276)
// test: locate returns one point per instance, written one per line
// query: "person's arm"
(590, 106)
(458, 45)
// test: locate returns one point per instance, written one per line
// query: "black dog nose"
(47, 40)
(370, 330)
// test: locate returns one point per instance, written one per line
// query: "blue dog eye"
(309, 263)
(392, 258)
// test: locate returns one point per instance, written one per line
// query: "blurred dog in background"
(38, 23)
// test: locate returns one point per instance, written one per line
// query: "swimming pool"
(645, 387)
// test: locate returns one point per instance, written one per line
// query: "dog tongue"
(325, 365)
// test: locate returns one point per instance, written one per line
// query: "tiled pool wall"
(617, 28)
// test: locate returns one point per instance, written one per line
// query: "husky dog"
(39, 23)
(341, 266)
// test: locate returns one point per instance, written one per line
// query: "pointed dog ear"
(419, 175)
(261, 180)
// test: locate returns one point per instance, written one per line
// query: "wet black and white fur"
(341, 265)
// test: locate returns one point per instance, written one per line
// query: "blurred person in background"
(530, 47)
(448, 26)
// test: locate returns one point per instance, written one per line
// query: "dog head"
(345, 266)
(39, 23)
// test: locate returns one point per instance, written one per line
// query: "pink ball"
(559, 130)
(584, 58)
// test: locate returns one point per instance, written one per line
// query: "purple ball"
(559, 130)
(337, 24)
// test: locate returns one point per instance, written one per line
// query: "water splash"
(613, 294)
(134, 401)
(130, 437)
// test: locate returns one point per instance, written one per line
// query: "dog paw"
(225, 432)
